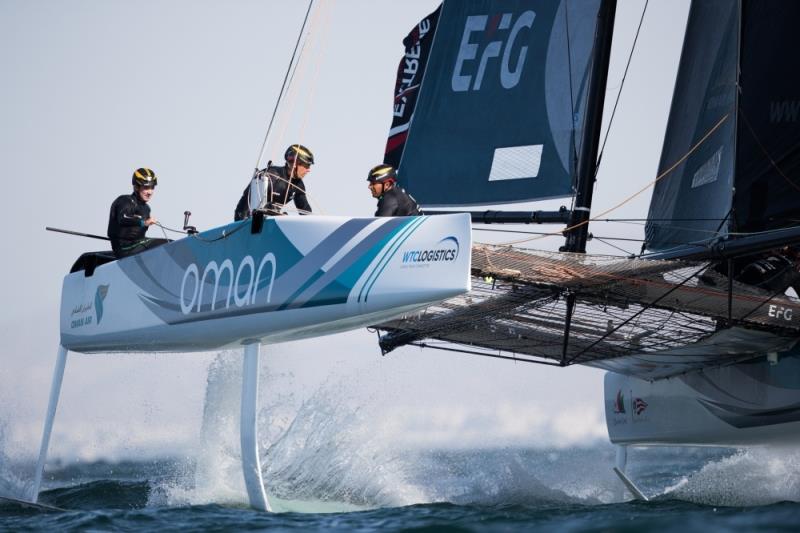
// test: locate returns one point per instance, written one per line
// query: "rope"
(640, 191)
(637, 314)
(603, 240)
(224, 234)
(766, 153)
(571, 93)
(313, 41)
(622, 83)
(283, 86)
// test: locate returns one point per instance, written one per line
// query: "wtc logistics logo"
(446, 250)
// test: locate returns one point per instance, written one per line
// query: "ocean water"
(331, 464)
(466, 490)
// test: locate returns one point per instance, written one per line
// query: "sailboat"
(502, 102)
(256, 282)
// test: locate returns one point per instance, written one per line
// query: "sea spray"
(213, 473)
(13, 482)
(753, 476)
(348, 444)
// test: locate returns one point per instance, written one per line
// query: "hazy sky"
(93, 89)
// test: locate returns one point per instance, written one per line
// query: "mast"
(587, 163)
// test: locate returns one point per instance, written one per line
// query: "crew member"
(393, 201)
(271, 188)
(774, 271)
(129, 217)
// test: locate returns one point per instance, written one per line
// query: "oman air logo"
(99, 296)
(445, 250)
(493, 39)
(639, 406)
(619, 403)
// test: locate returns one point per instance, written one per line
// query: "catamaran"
(256, 282)
(510, 96)
(500, 102)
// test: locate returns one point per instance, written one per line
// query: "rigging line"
(666, 172)
(543, 233)
(318, 60)
(482, 354)
(309, 48)
(283, 86)
(644, 308)
(659, 219)
(764, 150)
(711, 239)
(173, 230)
(696, 230)
(325, 16)
(571, 94)
(613, 245)
(288, 113)
(622, 85)
(289, 186)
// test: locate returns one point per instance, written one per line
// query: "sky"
(93, 89)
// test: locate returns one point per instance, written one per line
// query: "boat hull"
(297, 277)
(749, 403)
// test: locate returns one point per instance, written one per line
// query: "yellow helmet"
(299, 153)
(144, 177)
(382, 174)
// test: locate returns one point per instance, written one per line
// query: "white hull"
(750, 403)
(299, 277)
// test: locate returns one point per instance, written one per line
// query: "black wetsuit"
(277, 187)
(126, 227)
(396, 202)
(771, 271)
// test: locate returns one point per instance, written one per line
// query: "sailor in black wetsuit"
(393, 201)
(774, 271)
(129, 217)
(273, 187)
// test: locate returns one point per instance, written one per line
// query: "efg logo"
(445, 250)
(494, 40)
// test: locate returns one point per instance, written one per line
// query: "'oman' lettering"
(242, 287)
(466, 73)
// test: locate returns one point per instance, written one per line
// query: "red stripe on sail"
(396, 141)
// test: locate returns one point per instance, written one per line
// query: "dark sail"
(768, 138)
(745, 176)
(693, 201)
(409, 78)
(500, 113)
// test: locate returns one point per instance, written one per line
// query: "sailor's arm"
(126, 215)
(300, 198)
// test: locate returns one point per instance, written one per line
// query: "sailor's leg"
(251, 465)
(55, 392)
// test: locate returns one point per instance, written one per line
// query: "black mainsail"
(743, 178)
